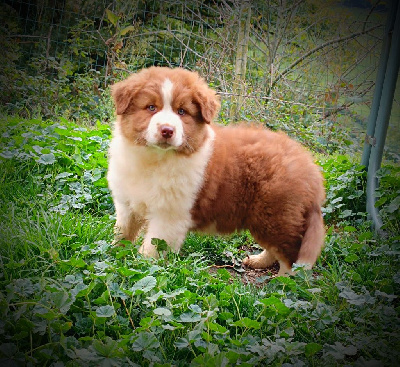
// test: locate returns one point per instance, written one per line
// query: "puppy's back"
(262, 181)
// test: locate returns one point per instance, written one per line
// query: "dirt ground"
(256, 277)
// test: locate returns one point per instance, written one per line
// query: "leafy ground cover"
(69, 297)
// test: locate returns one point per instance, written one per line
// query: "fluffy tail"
(313, 239)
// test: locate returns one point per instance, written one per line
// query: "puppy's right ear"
(123, 93)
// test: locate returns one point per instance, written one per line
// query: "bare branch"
(23, 36)
(316, 49)
(370, 12)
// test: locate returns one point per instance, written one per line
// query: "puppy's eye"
(151, 108)
(181, 111)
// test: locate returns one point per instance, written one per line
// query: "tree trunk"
(242, 46)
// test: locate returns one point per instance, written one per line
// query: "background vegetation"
(69, 297)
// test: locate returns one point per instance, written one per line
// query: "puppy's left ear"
(209, 103)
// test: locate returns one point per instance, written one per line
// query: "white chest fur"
(158, 186)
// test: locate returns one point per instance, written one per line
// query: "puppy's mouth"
(163, 145)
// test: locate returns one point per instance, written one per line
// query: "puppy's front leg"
(128, 223)
(172, 230)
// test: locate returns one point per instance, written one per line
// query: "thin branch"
(48, 42)
(290, 12)
(347, 105)
(282, 101)
(320, 47)
(128, 314)
(24, 36)
(369, 13)
(183, 44)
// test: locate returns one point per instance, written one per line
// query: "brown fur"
(265, 182)
(255, 179)
(140, 90)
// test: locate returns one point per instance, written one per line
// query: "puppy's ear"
(208, 102)
(123, 94)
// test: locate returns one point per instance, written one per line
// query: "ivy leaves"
(79, 153)
(70, 297)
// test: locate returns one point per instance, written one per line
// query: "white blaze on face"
(166, 116)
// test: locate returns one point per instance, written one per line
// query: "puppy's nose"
(167, 131)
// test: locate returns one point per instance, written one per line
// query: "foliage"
(36, 92)
(86, 46)
(69, 297)
(79, 152)
(388, 195)
(345, 197)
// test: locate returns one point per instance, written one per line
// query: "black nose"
(167, 131)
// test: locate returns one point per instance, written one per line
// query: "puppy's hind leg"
(284, 269)
(267, 258)
(262, 260)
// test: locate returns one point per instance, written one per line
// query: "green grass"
(69, 297)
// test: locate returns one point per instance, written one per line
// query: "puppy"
(171, 170)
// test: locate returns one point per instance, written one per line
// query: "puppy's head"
(165, 108)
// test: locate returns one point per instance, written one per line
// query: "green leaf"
(345, 214)
(181, 343)
(312, 348)
(146, 340)
(330, 230)
(351, 258)
(62, 301)
(85, 355)
(125, 30)
(276, 305)
(105, 311)
(380, 202)
(47, 159)
(115, 291)
(75, 262)
(394, 205)
(195, 308)
(339, 351)
(217, 327)
(356, 299)
(365, 236)
(144, 285)
(8, 349)
(247, 323)
(113, 18)
(107, 349)
(62, 130)
(207, 360)
(189, 317)
(82, 290)
(161, 245)
(155, 297)
(225, 316)
(162, 311)
(224, 274)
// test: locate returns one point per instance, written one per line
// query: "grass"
(69, 297)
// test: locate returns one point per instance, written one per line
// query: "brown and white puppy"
(171, 170)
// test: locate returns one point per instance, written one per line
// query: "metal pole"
(369, 137)
(382, 120)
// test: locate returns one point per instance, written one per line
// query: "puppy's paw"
(252, 261)
(260, 261)
(284, 270)
(149, 251)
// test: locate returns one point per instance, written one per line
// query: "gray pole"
(382, 119)
(376, 100)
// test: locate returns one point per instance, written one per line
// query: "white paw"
(260, 261)
(148, 250)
